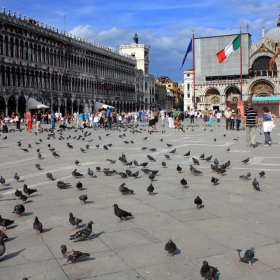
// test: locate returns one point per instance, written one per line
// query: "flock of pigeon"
(84, 233)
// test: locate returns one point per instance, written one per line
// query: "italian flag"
(233, 46)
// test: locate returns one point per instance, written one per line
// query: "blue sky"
(164, 25)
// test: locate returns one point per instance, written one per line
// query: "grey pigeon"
(135, 174)
(245, 161)
(90, 172)
(202, 156)
(151, 158)
(170, 247)
(83, 233)
(262, 173)
(23, 198)
(173, 151)
(151, 177)
(72, 255)
(121, 213)
(195, 161)
(214, 181)
(18, 193)
(216, 162)
(76, 174)
(207, 271)
(2, 181)
(19, 209)
(83, 198)
(74, 221)
(16, 177)
(124, 190)
(184, 183)
(245, 176)
(150, 189)
(179, 168)
(187, 154)
(2, 246)
(62, 185)
(5, 222)
(38, 166)
(167, 156)
(198, 202)
(79, 185)
(256, 185)
(38, 226)
(50, 176)
(163, 164)
(77, 162)
(208, 158)
(28, 191)
(246, 256)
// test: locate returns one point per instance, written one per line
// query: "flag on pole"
(188, 51)
(229, 49)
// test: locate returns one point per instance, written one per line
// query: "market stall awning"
(34, 104)
(99, 105)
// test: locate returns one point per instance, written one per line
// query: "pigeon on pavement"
(83, 198)
(256, 185)
(28, 191)
(2, 246)
(184, 183)
(245, 161)
(207, 271)
(124, 190)
(179, 168)
(83, 233)
(198, 202)
(214, 181)
(246, 256)
(121, 213)
(245, 176)
(50, 176)
(5, 222)
(74, 221)
(90, 172)
(170, 247)
(76, 174)
(150, 189)
(38, 226)
(16, 177)
(262, 173)
(195, 161)
(19, 209)
(38, 166)
(62, 185)
(2, 181)
(72, 255)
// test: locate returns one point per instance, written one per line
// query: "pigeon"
(187, 154)
(221, 171)
(198, 202)
(208, 272)
(145, 138)
(151, 158)
(3, 234)
(19, 209)
(150, 189)
(50, 176)
(55, 154)
(184, 183)
(151, 177)
(202, 156)
(79, 185)
(18, 193)
(105, 147)
(98, 168)
(195, 161)
(83, 233)
(62, 185)
(39, 155)
(77, 162)
(194, 171)
(76, 174)
(74, 221)
(90, 172)
(144, 164)
(112, 161)
(256, 185)
(135, 174)
(25, 150)
(2, 181)
(169, 145)
(208, 159)
(129, 164)
(170, 247)
(262, 173)
(167, 156)
(5, 222)
(246, 256)
(144, 148)
(72, 255)
(38, 226)
(38, 166)
(2, 245)
(153, 149)
(135, 163)
(245, 176)
(97, 146)
(16, 177)
(5, 137)
(83, 198)
(214, 181)
(173, 151)
(215, 140)
(69, 146)
(28, 191)
(179, 169)
(228, 149)
(82, 150)
(216, 162)
(163, 164)
(121, 213)
(23, 198)
(245, 161)
(124, 190)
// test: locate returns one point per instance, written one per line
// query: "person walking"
(267, 122)
(238, 118)
(53, 120)
(205, 117)
(232, 119)
(171, 119)
(29, 120)
(251, 122)
(39, 119)
(228, 115)
(218, 116)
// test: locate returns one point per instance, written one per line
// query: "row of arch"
(63, 106)
(34, 52)
(21, 77)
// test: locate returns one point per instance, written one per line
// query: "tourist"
(4, 127)
(251, 122)
(29, 121)
(232, 119)
(162, 114)
(171, 119)
(39, 119)
(192, 115)
(227, 116)
(205, 117)
(218, 117)
(17, 120)
(53, 120)
(238, 119)
(267, 122)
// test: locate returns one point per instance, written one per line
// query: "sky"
(166, 26)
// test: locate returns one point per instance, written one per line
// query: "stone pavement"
(235, 216)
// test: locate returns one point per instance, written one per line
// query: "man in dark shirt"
(251, 121)
(39, 119)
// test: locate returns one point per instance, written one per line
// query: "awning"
(99, 105)
(34, 104)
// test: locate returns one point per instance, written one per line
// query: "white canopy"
(34, 104)
(99, 105)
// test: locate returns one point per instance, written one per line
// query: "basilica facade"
(258, 80)
(65, 72)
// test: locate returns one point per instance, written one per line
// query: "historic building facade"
(65, 72)
(145, 82)
(259, 81)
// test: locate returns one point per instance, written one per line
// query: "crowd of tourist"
(108, 118)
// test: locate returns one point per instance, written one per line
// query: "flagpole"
(193, 71)
(241, 62)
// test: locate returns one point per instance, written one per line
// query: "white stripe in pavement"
(256, 160)
(50, 171)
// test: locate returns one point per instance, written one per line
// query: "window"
(188, 75)
(188, 86)
(189, 95)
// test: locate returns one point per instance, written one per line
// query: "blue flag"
(188, 50)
